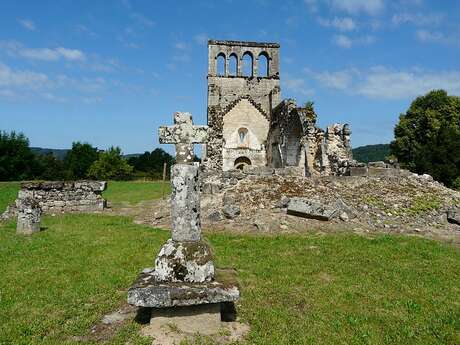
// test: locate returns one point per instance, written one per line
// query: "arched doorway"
(240, 162)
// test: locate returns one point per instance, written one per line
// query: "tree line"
(18, 162)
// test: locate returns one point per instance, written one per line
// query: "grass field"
(8, 193)
(296, 289)
(133, 192)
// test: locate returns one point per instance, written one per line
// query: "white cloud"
(27, 24)
(85, 30)
(71, 54)
(340, 80)
(312, 5)
(92, 100)
(419, 19)
(387, 83)
(437, 37)
(342, 24)
(43, 54)
(201, 38)
(296, 85)
(344, 41)
(17, 78)
(181, 58)
(181, 46)
(143, 19)
(371, 7)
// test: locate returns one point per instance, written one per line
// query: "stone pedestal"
(29, 217)
(147, 291)
(185, 203)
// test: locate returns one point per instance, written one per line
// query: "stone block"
(148, 292)
(378, 164)
(310, 209)
(184, 262)
(185, 203)
(231, 211)
(358, 171)
(29, 217)
(382, 172)
(453, 216)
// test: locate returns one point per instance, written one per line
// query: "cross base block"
(148, 292)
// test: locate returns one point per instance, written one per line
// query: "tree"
(427, 137)
(79, 159)
(152, 162)
(17, 162)
(110, 166)
(51, 168)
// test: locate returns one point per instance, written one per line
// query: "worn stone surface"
(184, 134)
(311, 209)
(184, 262)
(29, 216)
(453, 216)
(231, 211)
(148, 292)
(185, 203)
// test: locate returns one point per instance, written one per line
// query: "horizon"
(112, 73)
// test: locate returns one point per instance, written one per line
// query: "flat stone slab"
(301, 207)
(148, 292)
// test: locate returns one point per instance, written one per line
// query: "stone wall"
(294, 140)
(226, 91)
(63, 197)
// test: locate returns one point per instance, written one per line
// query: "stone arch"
(243, 137)
(240, 162)
(232, 65)
(293, 134)
(221, 64)
(263, 64)
(247, 64)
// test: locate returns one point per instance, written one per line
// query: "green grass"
(8, 193)
(308, 289)
(133, 192)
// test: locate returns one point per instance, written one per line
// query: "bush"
(110, 166)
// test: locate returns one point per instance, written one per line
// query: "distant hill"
(61, 153)
(371, 153)
(58, 153)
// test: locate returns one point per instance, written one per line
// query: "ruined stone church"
(250, 124)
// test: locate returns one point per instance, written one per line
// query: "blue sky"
(111, 72)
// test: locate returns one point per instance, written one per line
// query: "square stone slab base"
(176, 325)
(147, 292)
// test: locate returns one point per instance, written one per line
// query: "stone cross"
(184, 134)
(185, 197)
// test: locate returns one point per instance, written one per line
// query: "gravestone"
(184, 272)
(29, 216)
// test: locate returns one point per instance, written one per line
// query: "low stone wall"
(62, 197)
(378, 169)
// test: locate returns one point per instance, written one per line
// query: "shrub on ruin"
(427, 137)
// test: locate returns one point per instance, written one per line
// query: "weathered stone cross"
(184, 134)
(185, 197)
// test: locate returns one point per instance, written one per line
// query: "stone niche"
(63, 197)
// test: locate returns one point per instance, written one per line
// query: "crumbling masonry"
(250, 125)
